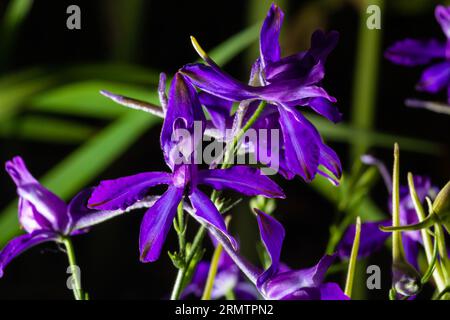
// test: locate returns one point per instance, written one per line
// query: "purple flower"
(284, 83)
(278, 282)
(372, 238)
(228, 279)
(183, 109)
(44, 216)
(411, 52)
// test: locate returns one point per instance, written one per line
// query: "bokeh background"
(71, 137)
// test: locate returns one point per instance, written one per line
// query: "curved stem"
(76, 285)
(353, 259)
(427, 242)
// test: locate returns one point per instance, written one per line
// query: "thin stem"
(427, 242)
(235, 142)
(177, 287)
(397, 248)
(353, 259)
(76, 285)
(212, 273)
(181, 228)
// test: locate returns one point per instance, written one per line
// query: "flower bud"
(406, 279)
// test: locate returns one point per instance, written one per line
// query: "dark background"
(108, 255)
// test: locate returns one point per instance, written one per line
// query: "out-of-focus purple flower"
(284, 83)
(228, 279)
(44, 216)
(183, 109)
(411, 52)
(372, 238)
(278, 282)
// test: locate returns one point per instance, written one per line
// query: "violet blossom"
(181, 111)
(228, 279)
(412, 52)
(44, 216)
(284, 83)
(278, 282)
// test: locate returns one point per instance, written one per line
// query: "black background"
(108, 255)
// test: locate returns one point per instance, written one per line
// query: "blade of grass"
(83, 99)
(46, 129)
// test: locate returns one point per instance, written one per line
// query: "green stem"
(427, 242)
(234, 144)
(212, 273)
(76, 286)
(353, 259)
(177, 287)
(397, 247)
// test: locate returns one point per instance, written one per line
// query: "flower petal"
(123, 192)
(332, 291)
(286, 283)
(330, 160)
(39, 208)
(435, 78)
(301, 144)
(309, 65)
(157, 222)
(207, 212)
(243, 179)
(442, 14)
(182, 110)
(270, 33)
(372, 239)
(410, 52)
(83, 217)
(218, 83)
(22, 243)
(219, 110)
(325, 108)
(272, 235)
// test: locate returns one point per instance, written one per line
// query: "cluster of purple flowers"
(279, 89)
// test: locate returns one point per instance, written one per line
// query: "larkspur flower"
(284, 83)
(412, 52)
(278, 282)
(228, 279)
(372, 238)
(181, 111)
(44, 216)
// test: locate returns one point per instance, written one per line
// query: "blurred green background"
(71, 137)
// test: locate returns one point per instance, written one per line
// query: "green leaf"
(83, 99)
(46, 129)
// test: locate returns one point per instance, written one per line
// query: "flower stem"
(427, 242)
(235, 142)
(397, 247)
(76, 285)
(353, 259)
(212, 273)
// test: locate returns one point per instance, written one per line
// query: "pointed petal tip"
(198, 48)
